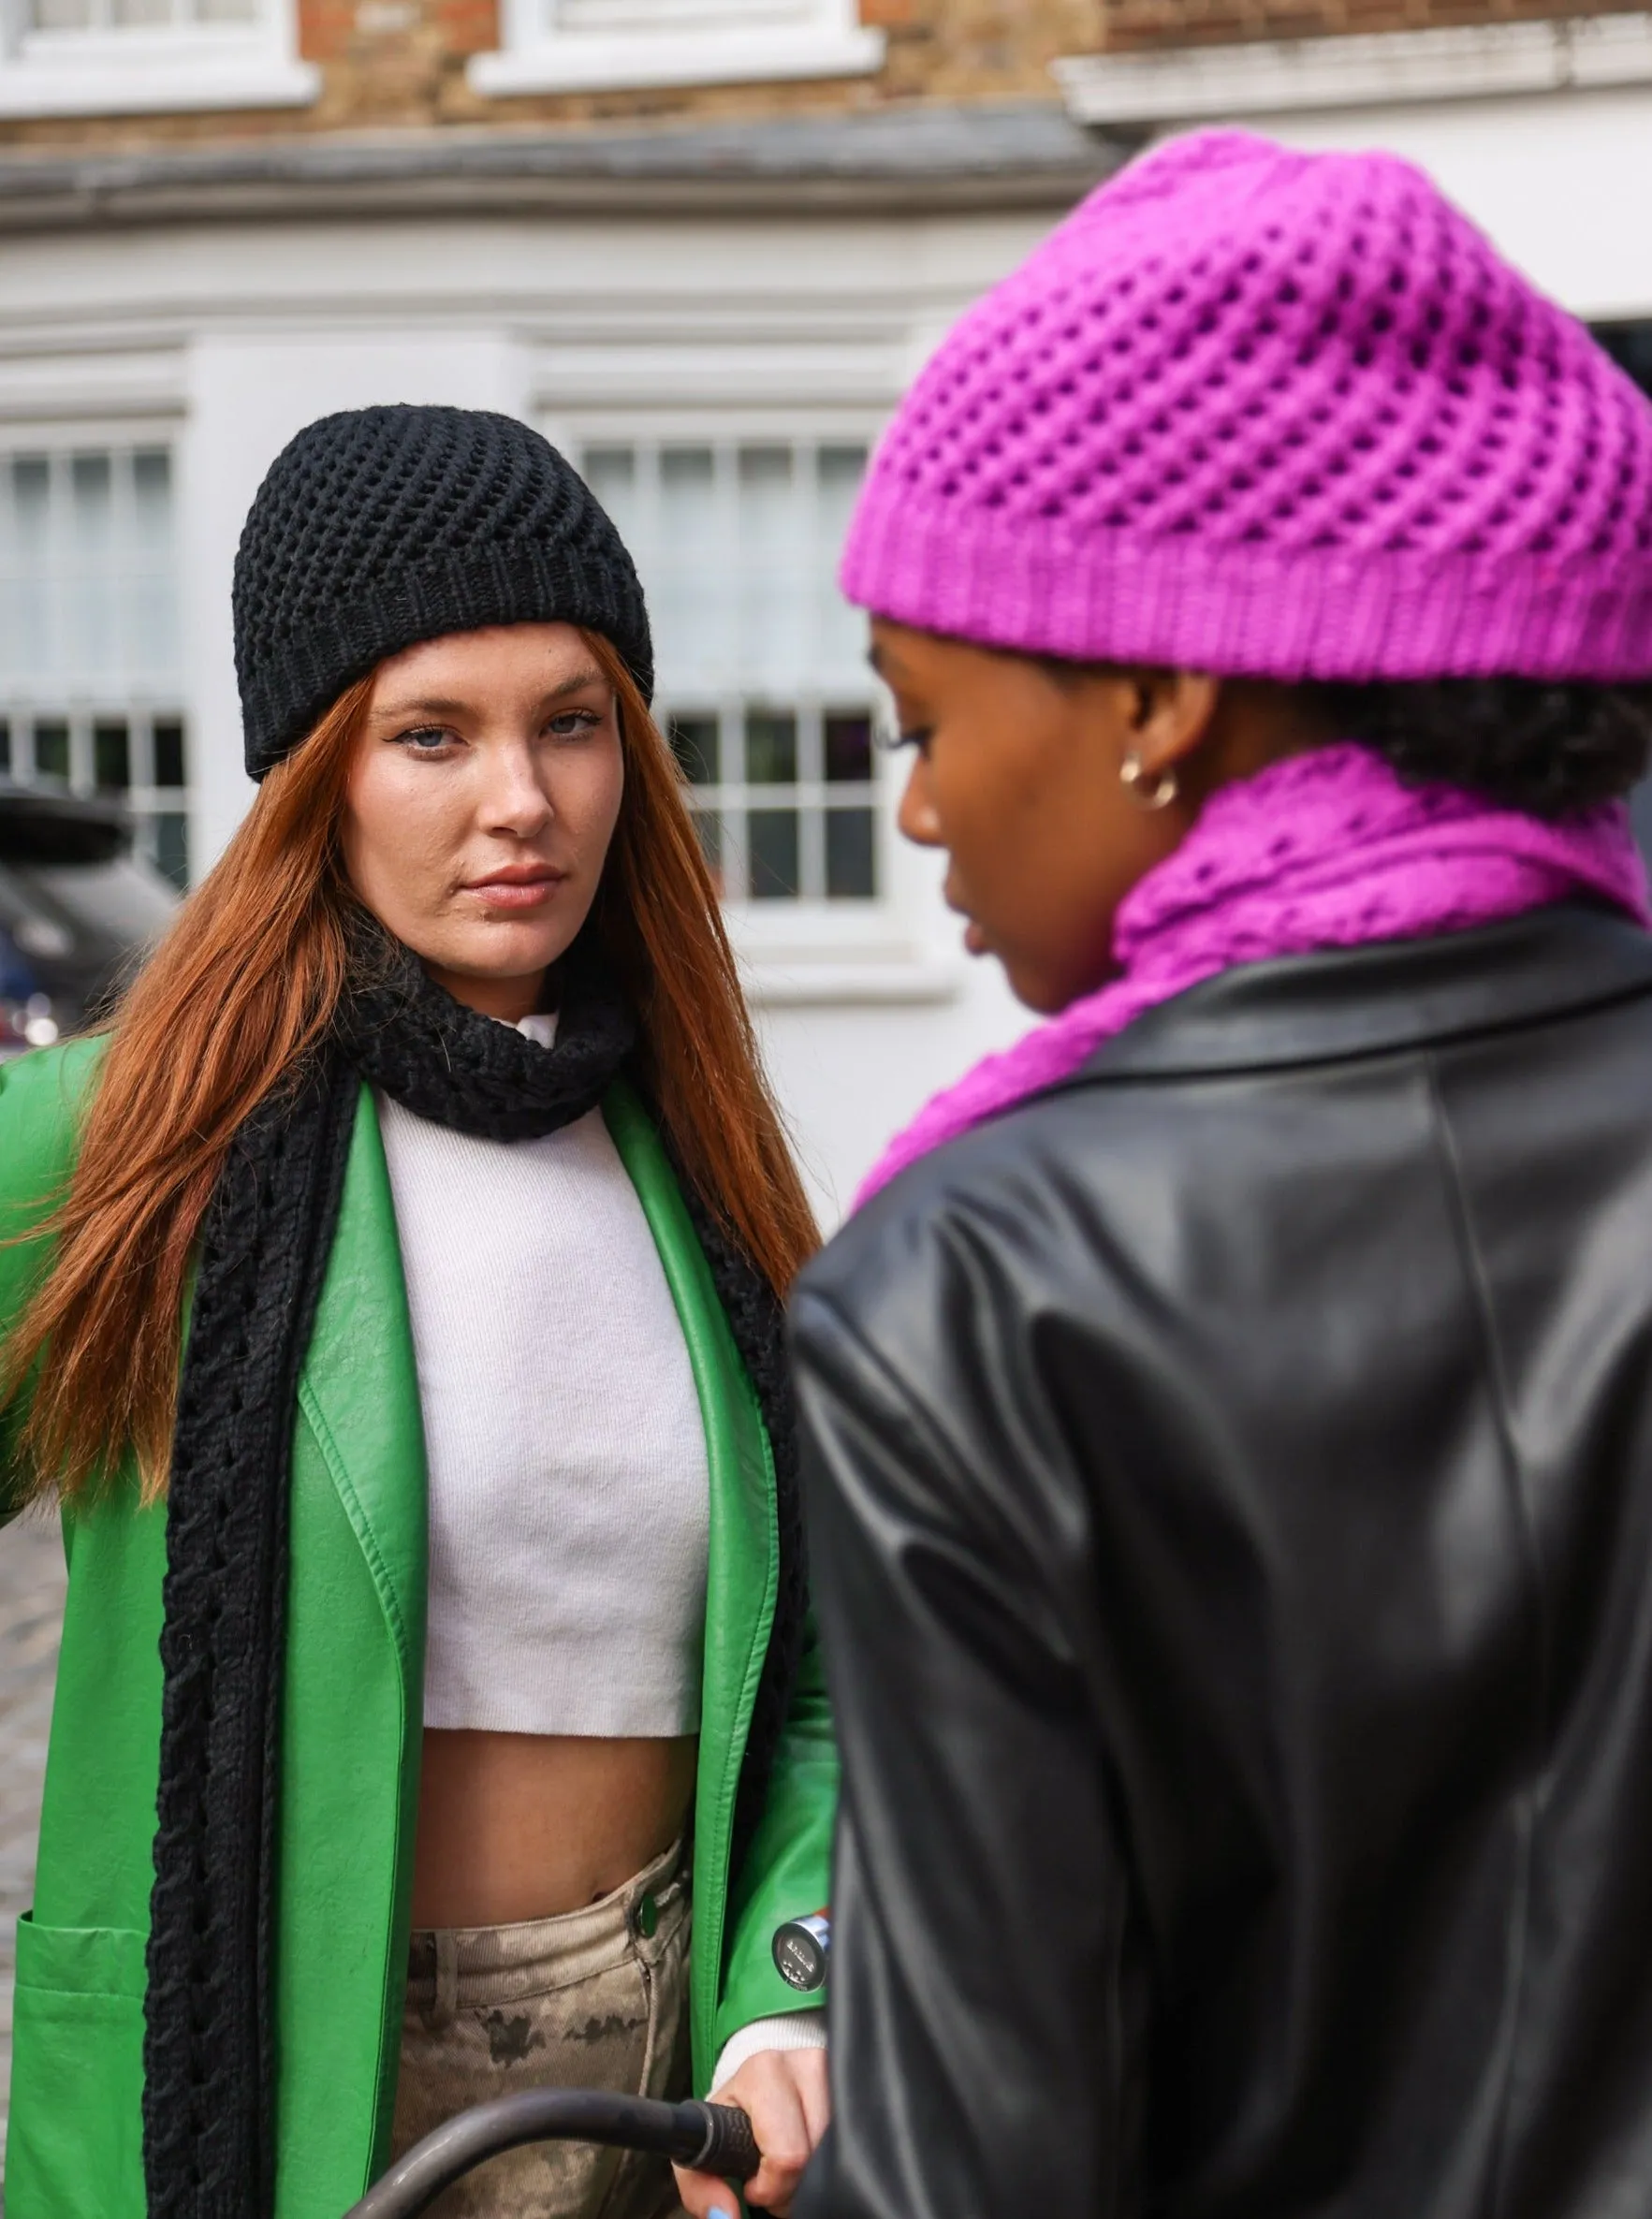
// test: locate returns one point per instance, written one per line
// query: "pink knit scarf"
(1326, 850)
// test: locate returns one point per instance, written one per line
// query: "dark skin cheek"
(1042, 855)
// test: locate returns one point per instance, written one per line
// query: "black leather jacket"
(1231, 1484)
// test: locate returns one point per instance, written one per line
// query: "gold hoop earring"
(1147, 792)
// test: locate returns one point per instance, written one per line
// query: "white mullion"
(733, 664)
(731, 756)
(58, 512)
(811, 789)
(140, 751)
(805, 479)
(82, 763)
(123, 565)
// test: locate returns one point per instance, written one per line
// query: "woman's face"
(1018, 775)
(484, 793)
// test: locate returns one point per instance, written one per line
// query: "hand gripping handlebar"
(709, 2138)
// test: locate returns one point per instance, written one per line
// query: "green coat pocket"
(75, 2144)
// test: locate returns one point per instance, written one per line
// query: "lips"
(528, 888)
(976, 941)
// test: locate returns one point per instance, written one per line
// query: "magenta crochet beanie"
(1273, 414)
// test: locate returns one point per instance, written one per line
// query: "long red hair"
(246, 983)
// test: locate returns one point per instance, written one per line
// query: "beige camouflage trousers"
(595, 1999)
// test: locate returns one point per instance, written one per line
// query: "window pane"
(61, 15)
(90, 478)
(169, 755)
(52, 750)
(25, 609)
(847, 738)
(773, 556)
(171, 848)
(659, 15)
(611, 472)
(773, 862)
(152, 497)
(123, 12)
(840, 629)
(689, 586)
(1629, 344)
(710, 827)
(693, 742)
(92, 637)
(111, 757)
(850, 875)
(771, 748)
(31, 491)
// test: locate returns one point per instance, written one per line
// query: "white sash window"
(763, 684)
(568, 45)
(125, 57)
(90, 680)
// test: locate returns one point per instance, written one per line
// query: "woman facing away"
(439, 1630)
(1228, 1419)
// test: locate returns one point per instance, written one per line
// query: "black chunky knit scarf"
(208, 2015)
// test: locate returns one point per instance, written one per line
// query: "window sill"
(607, 62)
(1279, 76)
(823, 982)
(107, 76)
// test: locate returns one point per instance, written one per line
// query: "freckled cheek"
(405, 847)
(589, 806)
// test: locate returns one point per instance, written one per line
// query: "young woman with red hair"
(393, 1305)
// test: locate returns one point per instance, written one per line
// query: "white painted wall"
(1562, 183)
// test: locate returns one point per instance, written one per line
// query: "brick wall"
(400, 63)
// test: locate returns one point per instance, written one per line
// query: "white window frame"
(807, 39)
(152, 68)
(896, 947)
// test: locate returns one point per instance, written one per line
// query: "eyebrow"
(434, 705)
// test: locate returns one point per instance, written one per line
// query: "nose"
(516, 798)
(917, 817)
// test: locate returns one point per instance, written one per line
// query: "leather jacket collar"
(1392, 995)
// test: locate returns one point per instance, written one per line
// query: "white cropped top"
(569, 1502)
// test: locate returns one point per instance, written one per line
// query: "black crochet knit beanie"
(381, 527)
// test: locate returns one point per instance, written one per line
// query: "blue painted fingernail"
(718, 2212)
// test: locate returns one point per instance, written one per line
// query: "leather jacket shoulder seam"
(1479, 1296)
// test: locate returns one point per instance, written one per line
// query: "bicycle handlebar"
(709, 2138)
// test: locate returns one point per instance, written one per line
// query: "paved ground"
(31, 1612)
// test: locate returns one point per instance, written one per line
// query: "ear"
(1173, 713)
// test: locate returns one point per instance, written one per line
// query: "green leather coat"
(351, 1733)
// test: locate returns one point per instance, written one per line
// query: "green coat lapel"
(744, 1568)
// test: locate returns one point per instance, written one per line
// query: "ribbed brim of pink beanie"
(1286, 415)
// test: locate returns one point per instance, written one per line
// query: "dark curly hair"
(1550, 749)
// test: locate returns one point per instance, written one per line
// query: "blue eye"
(425, 739)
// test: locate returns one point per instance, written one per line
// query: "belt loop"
(447, 2003)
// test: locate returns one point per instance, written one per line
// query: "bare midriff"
(518, 1826)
